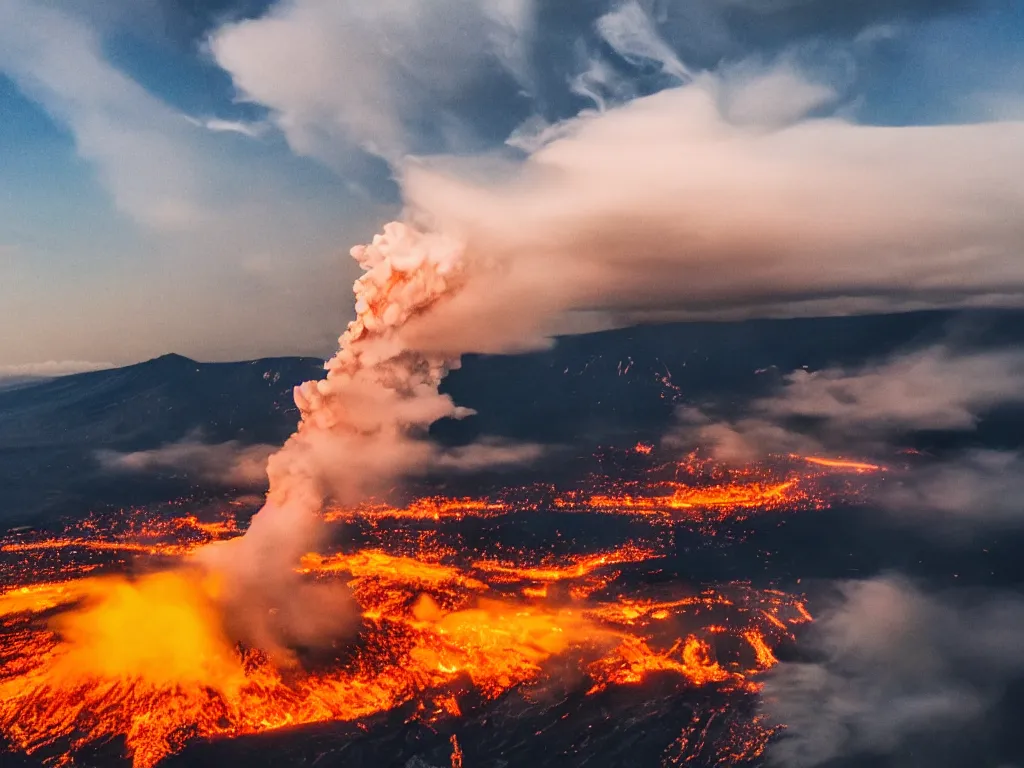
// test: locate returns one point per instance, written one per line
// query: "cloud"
(934, 388)
(737, 441)
(487, 454)
(978, 487)
(217, 125)
(50, 369)
(632, 34)
(388, 77)
(896, 669)
(209, 205)
(126, 133)
(231, 463)
(772, 96)
(862, 408)
(665, 206)
(393, 79)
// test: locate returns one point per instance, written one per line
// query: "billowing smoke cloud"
(897, 669)
(662, 205)
(232, 463)
(865, 408)
(665, 208)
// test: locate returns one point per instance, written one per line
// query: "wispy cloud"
(633, 34)
(487, 454)
(216, 125)
(118, 126)
(960, 493)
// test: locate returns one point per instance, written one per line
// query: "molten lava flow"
(577, 568)
(92, 653)
(433, 508)
(696, 502)
(853, 466)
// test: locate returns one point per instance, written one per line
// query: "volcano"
(618, 602)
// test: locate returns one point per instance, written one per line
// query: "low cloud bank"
(231, 463)
(864, 408)
(977, 487)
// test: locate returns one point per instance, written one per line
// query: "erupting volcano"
(164, 628)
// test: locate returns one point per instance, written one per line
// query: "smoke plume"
(363, 426)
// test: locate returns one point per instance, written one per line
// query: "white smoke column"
(362, 426)
(377, 395)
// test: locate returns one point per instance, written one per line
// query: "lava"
(853, 466)
(110, 633)
(576, 568)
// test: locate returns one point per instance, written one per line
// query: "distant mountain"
(621, 384)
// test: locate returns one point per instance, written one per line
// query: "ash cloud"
(704, 200)
(897, 671)
(363, 426)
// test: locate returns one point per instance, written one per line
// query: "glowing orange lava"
(853, 466)
(92, 653)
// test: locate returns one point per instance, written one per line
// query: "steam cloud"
(899, 669)
(977, 488)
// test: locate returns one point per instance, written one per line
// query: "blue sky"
(188, 176)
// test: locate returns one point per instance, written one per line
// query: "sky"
(186, 176)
